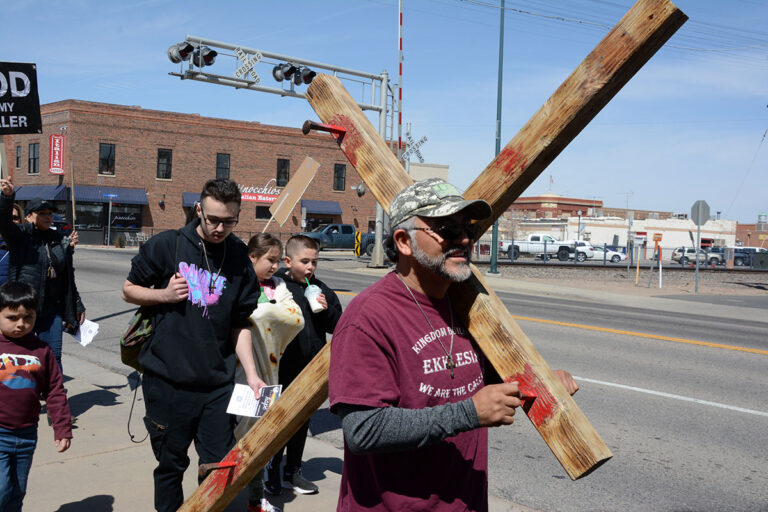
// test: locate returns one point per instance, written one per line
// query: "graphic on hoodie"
(204, 289)
(12, 363)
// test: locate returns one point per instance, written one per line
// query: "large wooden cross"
(554, 414)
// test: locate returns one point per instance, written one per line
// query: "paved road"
(679, 396)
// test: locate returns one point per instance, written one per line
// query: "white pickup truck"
(544, 246)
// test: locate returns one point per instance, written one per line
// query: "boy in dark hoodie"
(301, 254)
(202, 289)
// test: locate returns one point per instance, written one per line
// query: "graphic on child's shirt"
(204, 289)
(12, 363)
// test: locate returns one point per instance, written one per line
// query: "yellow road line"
(644, 335)
(630, 333)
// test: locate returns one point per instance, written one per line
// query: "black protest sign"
(19, 102)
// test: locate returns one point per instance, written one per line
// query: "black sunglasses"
(215, 221)
(454, 231)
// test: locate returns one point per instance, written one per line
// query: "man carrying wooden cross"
(407, 379)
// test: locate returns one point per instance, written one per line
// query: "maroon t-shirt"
(28, 372)
(384, 354)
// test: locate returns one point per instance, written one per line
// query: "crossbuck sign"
(248, 64)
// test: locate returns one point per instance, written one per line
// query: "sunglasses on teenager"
(454, 231)
(215, 221)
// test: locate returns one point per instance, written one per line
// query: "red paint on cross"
(538, 402)
(220, 478)
(350, 142)
(510, 160)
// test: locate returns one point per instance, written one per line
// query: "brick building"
(553, 206)
(152, 165)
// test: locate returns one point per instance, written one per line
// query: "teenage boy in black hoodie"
(301, 255)
(202, 287)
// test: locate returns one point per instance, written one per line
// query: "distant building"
(151, 165)
(753, 235)
(420, 171)
(553, 206)
(568, 218)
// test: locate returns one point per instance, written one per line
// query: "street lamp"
(578, 229)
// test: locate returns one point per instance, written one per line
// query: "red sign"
(56, 161)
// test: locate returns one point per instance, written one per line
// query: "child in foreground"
(301, 254)
(28, 372)
(274, 323)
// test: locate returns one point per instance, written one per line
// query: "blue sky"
(690, 125)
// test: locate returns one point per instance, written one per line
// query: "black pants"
(176, 417)
(295, 451)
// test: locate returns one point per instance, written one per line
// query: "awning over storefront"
(92, 194)
(321, 207)
(188, 199)
(47, 192)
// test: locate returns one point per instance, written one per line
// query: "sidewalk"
(104, 471)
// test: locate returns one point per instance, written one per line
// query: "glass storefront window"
(127, 216)
(88, 216)
(94, 215)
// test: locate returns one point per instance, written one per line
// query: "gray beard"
(437, 263)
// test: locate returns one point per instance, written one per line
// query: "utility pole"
(495, 230)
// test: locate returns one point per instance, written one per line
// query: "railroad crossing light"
(204, 57)
(284, 71)
(304, 76)
(180, 52)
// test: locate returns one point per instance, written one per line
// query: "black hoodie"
(192, 344)
(311, 339)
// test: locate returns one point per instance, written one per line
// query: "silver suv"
(683, 255)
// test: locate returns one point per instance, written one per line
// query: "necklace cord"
(450, 365)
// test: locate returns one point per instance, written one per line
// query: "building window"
(283, 172)
(222, 165)
(18, 157)
(164, 157)
(34, 158)
(107, 159)
(262, 213)
(339, 176)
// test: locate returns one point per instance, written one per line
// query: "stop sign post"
(699, 216)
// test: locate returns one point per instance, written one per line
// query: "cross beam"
(570, 436)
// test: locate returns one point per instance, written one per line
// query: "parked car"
(584, 250)
(608, 254)
(743, 255)
(683, 255)
(716, 255)
(60, 223)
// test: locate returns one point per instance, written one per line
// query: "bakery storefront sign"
(266, 194)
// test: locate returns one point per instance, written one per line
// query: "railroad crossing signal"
(248, 64)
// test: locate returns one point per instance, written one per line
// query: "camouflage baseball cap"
(434, 197)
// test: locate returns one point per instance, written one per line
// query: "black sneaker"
(271, 488)
(298, 483)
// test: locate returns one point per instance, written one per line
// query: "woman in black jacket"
(42, 257)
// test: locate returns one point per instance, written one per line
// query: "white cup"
(312, 293)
